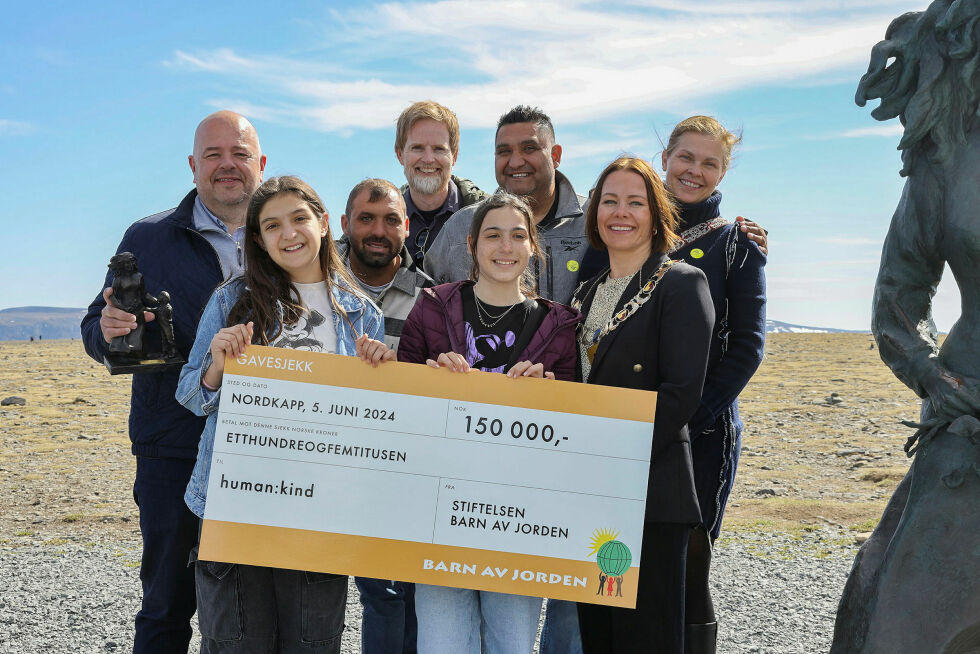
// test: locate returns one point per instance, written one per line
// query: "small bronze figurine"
(128, 353)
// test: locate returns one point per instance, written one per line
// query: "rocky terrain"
(823, 439)
(823, 451)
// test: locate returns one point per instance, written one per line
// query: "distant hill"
(777, 327)
(21, 323)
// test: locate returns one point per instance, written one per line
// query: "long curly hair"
(927, 72)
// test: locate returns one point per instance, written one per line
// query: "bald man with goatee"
(186, 251)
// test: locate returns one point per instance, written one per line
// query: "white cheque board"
(476, 480)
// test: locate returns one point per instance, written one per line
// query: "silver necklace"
(480, 311)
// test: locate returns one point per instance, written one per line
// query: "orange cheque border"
(404, 560)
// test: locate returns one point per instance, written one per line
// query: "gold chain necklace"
(591, 341)
(480, 311)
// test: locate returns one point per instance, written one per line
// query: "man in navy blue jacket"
(186, 251)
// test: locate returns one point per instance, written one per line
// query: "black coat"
(663, 347)
(172, 256)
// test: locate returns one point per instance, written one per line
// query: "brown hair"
(662, 208)
(433, 111)
(500, 200)
(708, 126)
(378, 189)
(267, 288)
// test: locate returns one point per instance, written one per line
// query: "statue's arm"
(911, 266)
(901, 318)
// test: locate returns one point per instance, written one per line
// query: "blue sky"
(99, 101)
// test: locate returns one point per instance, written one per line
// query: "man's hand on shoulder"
(754, 232)
(115, 321)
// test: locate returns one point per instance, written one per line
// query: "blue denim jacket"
(365, 316)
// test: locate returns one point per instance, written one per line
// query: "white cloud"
(850, 241)
(773, 6)
(891, 129)
(603, 149)
(15, 127)
(266, 67)
(579, 60)
(252, 110)
(860, 263)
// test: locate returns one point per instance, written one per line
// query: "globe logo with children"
(613, 558)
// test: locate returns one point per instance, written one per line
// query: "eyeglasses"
(421, 240)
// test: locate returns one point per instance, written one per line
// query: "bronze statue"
(128, 353)
(915, 584)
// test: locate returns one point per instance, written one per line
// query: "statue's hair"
(933, 84)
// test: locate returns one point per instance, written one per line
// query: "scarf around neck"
(699, 212)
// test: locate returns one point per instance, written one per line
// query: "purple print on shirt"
(478, 348)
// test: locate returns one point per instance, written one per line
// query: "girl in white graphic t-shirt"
(295, 293)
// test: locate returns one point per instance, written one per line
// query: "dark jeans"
(560, 633)
(169, 532)
(245, 609)
(656, 625)
(388, 625)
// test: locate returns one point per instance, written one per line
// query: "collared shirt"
(230, 247)
(395, 301)
(422, 231)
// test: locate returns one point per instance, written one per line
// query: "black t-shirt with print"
(492, 349)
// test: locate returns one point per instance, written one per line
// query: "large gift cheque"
(527, 486)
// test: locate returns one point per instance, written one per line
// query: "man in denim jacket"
(186, 251)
